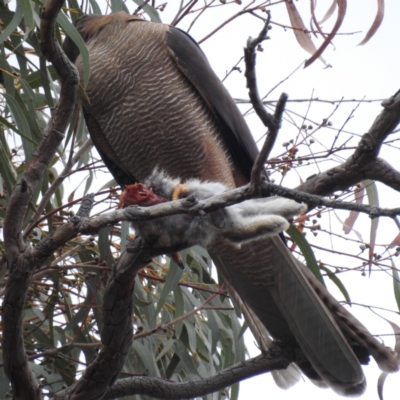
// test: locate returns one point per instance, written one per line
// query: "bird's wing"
(194, 65)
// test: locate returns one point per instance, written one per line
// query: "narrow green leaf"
(124, 234)
(35, 78)
(49, 311)
(149, 10)
(307, 252)
(7, 170)
(88, 183)
(234, 394)
(373, 200)
(33, 201)
(37, 332)
(182, 353)
(194, 302)
(74, 9)
(45, 81)
(95, 7)
(12, 25)
(28, 14)
(11, 126)
(191, 331)
(29, 111)
(227, 347)
(146, 357)
(97, 301)
(334, 278)
(118, 5)
(166, 348)
(50, 375)
(172, 280)
(71, 129)
(179, 308)
(104, 244)
(213, 326)
(17, 46)
(83, 310)
(23, 126)
(4, 381)
(396, 284)
(74, 35)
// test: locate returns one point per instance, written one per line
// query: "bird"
(236, 224)
(153, 100)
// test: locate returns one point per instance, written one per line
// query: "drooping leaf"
(307, 252)
(118, 5)
(334, 278)
(5, 387)
(12, 25)
(396, 284)
(145, 356)
(383, 376)
(173, 277)
(373, 200)
(22, 124)
(7, 170)
(300, 30)
(330, 12)
(74, 35)
(342, 5)
(376, 24)
(149, 10)
(28, 14)
(351, 219)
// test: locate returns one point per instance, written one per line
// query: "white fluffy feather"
(239, 223)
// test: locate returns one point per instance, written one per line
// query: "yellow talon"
(180, 190)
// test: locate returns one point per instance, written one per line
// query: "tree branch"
(164, 389)
(272, 122)
(19, 257)
(251, 80)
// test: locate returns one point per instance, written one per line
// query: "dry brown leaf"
(351, 219)
(342, 5)
(330, 12)
(377, 22)
(314, 19)
(383, 376)
(395, 242)
(300, 30)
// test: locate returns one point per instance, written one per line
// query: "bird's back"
(147, 111)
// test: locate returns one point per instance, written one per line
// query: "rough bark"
(18, 254)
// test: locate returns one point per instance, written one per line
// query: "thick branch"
(250, 60)
(269, 142)
(272, 122)
(18, 255)
(164, 389)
